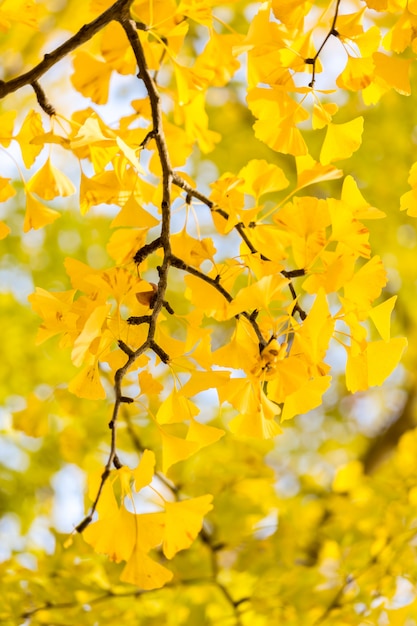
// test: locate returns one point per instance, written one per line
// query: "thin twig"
(313, 60)
(240, 228)
(42, 99)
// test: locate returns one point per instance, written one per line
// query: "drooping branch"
(163, 241)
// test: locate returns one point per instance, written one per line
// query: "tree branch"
(123, 16)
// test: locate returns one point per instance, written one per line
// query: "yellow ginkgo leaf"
(323, 114)
(148, 385)
(176, 408)
(242, 394)
(276, 241)
(92, 131)
(381, 317)
(254, 425)
(203, 434)
(55, 310)
(6, 127)
(356, 371)
(115, 535)
(306, 398)
(196, 124)
(284, 137)
(144, 472)
(80, 275)
(132, 214)
(87, 384)
(175, 449)
(200, 12)
(383, 357)
(91, 77)
(290, 12)
(124, 243)
(150, 529)
(347, 230)
(124, 476)
(173, 347)
(200, 381)
(144, 572)
(262, 177)
(101, 188)
(218, 61)
(184, 521)
(394, 71)
(341, 140)
(242, 351)
(373, 366)
(365, 286)
(4, 230)
(191, 250)
(205, 297)
(260, 295)
(130, 155)
(22, 11)
(49, 182)
(117, 282)
(31, 129)
(408, 202)
(34, 419)
(361, 209)
(358, 333)
(6, 190)
(115, 48)
(291, 374)
(37, 214)
(92, 329)
(357, 74)
(310, 172)
(314, 336)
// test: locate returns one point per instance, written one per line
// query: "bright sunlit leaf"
(144, 472)
(49, 182)
(175, 449)
(184, 521)
(91, 77)
(341, 140)
(144, 572)
(87, 384)
(4, 230)
(37, 214)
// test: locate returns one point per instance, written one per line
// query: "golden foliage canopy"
(200, 201)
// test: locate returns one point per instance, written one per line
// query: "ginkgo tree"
(191, 302)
